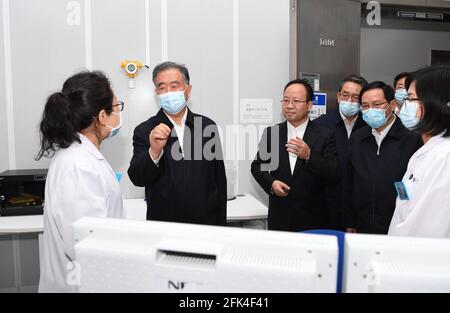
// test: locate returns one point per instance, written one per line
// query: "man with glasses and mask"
(178, 157)
(370, 188)
(343, 121)
(296, 159)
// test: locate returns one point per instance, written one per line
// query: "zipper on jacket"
(374, 182)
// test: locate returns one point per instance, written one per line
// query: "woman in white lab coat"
(80, 181)
(423, 202)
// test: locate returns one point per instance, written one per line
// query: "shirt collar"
(183, 119)
(89, 146)
(344, 119)
(300, 128)
(384, 131)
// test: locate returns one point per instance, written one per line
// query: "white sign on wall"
(255, 111)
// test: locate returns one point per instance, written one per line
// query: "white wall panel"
(45, 51)
(118, 33)
(263, 66)
(4, 160)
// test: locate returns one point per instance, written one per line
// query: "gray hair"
(171, 65)
(354, 78)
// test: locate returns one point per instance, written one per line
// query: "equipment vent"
(177, 258)
(255, 259)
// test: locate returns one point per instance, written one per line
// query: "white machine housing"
(133, 256)
(389, 264)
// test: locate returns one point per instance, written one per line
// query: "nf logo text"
(327, 42)
(179, 285)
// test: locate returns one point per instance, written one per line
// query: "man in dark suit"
(177, 156)
(379, 155)
(343, 121)
(295, 160)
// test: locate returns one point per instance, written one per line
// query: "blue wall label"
(119, 176)
(320, 98)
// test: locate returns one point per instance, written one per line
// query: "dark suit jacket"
(333, 121)
(370, 190)
(189, 189)
(305, 206)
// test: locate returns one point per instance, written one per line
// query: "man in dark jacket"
(344, 122)
(379, 156)
(295, 160)
(177, 156)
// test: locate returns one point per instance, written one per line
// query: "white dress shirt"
(79, 183)
(293, 132)
(348, 126)
(379, 137)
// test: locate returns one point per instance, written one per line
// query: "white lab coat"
(427, 179)
(79, 183)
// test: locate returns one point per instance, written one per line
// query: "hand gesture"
(298, 147)
(280, 189)
(158, 139)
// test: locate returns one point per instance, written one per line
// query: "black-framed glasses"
(294, 101)
(120, 104)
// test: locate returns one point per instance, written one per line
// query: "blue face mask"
(375, 118)
(408, 114)
(172, 102)
(400, 95)
(115, 130)
(349, 108)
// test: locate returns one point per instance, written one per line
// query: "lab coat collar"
(90, 147)
(433, 142)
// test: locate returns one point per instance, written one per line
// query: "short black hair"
(389, 93)
(398, 77)
(432, 88)
(309, 90)
(354, 78)
(170, 65)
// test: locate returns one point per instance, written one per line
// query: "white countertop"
(21, 224)
(244, 207)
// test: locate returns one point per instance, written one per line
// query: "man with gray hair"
(343, 121)
(178, 156)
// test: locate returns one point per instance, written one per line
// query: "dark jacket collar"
(336, 118)
(311, 128)
(397, 130)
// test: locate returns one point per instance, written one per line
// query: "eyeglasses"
(294, 101)
(120, 104)
(412, 102)
(365, 105)
(347, 96)
(411, 99)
